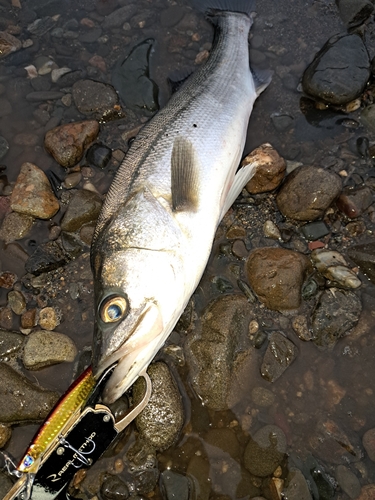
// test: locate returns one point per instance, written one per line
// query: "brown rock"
(8, 44)
(32, 193)
(353, 202)
(368, 441)
(271, 169)
(67, 143)
(307, 192)
(15, 226)
(28, 319)
(276, 276)
(367, 492)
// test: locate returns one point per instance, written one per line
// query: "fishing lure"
(75, 434)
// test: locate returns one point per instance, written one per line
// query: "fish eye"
(113, 309)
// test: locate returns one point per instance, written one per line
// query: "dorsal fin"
(184, 175)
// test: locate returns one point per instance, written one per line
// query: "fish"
(156, 228)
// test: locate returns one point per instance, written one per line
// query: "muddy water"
(338, 385)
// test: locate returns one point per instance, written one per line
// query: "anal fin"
(184, 176)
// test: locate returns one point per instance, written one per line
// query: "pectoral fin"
(184, 176)
(241, 178)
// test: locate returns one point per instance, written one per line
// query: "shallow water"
(286, 36)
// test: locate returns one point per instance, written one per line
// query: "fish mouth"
(133, 356)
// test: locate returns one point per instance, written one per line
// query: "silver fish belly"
(155, 232)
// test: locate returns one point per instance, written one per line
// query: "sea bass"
(155, 231)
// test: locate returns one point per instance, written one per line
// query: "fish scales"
(155, 231)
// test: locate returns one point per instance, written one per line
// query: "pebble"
(6, 318)
(10, 343)
(348, 481)
(25, 402)
(17, 302)
(239, 249)
(72, 180)
(90, 36)
(279, 355)
(48, 318)
(15, 226)
(333, 266)
(364, 256)
(367, 492)
(282, 121)
(161, 421)
(354, 202)
(8, 44)
(368, 441)
(92, 97)
(7, 280)
(368, 117)
(4, 146)
(98, 155)
(175, 486)
(26, 139)
(315, 230)
(32, 194)
(57, 73)
(327, 326)
(307, 193)
(67, 143)
(355, 12)
(84, 207)
(276, 276)
(113, 488)
(29, 319)
(5, 434)
(272, 171)
(265, 451)
(270, 230)
(47, 257)
(119, 16)
(45, 348)
(44, 95)
(5, 109)
(262, 397)
(339, 72)
(296, 488)
(199, 471)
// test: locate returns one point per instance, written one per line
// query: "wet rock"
(67, 143)
(49, 318)
(17, 302)
(198, 471)
(131, 79)
(26, 139)
(161, 421)
(7, 280)
(336, 312)
(276, 276)
(47, 257)
(4, 146)
(92, 97)
(262, 397)
(28, 319)
(280, 354)
(6, 318)
(41, 26)
(15, 226)
(44, 348)
(348, 481)
(98, 155)
(172, 16)
(215, 361)
(355, 12)
(83, 207)
(353, 202)
(282, 121)
(44, 95)
(271, 171)
(312, 231)
(175, 485)
(367, 492)
(364, 256)
(32, 194)
(25, 401)
(223, 439)
(10, 343)
(307, 192)
(369, 443)
(5, 434)
(296, 486)
(334, 267)
(339, 72)
(120, 16)
(265, 451)
(330, 443)
(368, 117)
(5, 109)
(8, 44)
(270, 230)
(113, 488)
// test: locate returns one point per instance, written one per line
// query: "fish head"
(134, 292)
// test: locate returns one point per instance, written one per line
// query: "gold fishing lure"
(68, 406)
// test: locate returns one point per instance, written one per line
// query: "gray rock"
(348, 481)
(10, 343)
(280, 354)
(161, 421)
(315, 230)
(44, 95)
(353, 202)
(364, 256)
(46, 348)
(94, 97)
(265, 451)
(335, 313)
(368, 117)
(339, 72)
(297, 488)
(26, 401)
(15, 226)
(171, 16)
(47, 257)
(90, 36)
(113, 488)
(281, 121)
(199, 472)
(41, 26)
(5, 109)
(175, 486)
(307, 193)
(355, 12)
(84, 207)
(217, 368)
(120, 16)
(4, 146)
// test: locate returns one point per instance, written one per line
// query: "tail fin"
(245, 6)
